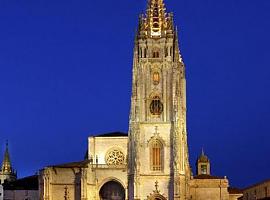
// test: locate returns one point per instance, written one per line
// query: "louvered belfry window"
(156, 155)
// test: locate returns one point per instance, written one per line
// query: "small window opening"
(145, 52)
(155, 54)
(204, 169)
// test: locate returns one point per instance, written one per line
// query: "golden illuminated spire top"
(156, 16)
(6, 165)
(156, 22)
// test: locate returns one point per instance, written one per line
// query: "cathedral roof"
(27, 183)
(206, 176)
(79, 164)
(113, 134)
(232, 190)
(257, 184)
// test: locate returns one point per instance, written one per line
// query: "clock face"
(156, 107)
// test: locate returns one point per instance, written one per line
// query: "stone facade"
(158, 110)
(258, 191)
(208, 187)
(152, 161)
(106, 162)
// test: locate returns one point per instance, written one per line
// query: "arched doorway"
(112, 190)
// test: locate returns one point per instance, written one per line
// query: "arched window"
(156, 155)
(156, 107)
(155, 54)
(145, 52)
(204, 169)
(166, 51)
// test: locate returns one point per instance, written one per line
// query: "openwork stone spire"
(6, 165)
(156, 22)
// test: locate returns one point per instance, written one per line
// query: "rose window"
(115, 157)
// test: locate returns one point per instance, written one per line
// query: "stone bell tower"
(158, 151)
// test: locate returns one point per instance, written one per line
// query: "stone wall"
(257, 191)
(211, 189)
(1, 192)
(21, 194)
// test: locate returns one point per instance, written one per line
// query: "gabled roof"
(232, 190)
(113, 134)
(27, 183)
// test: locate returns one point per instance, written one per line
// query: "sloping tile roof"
(206, 176)
(27, 183)
(257, 184)
(232, 190)
(113, 134)
(80, 164)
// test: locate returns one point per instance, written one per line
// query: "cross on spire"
(202, 152)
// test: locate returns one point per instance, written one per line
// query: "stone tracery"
(115, 157)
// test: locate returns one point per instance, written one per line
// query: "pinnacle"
(6, 165)
(202, 152)
(156, 21)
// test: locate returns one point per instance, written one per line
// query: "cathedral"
(151, 162)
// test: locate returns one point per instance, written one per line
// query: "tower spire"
(202, 154)
(6, 165)
(156, 22)
(156, 15)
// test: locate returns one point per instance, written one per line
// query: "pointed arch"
(112, 189)
(156, 197)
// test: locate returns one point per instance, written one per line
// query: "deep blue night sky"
(65, 73)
